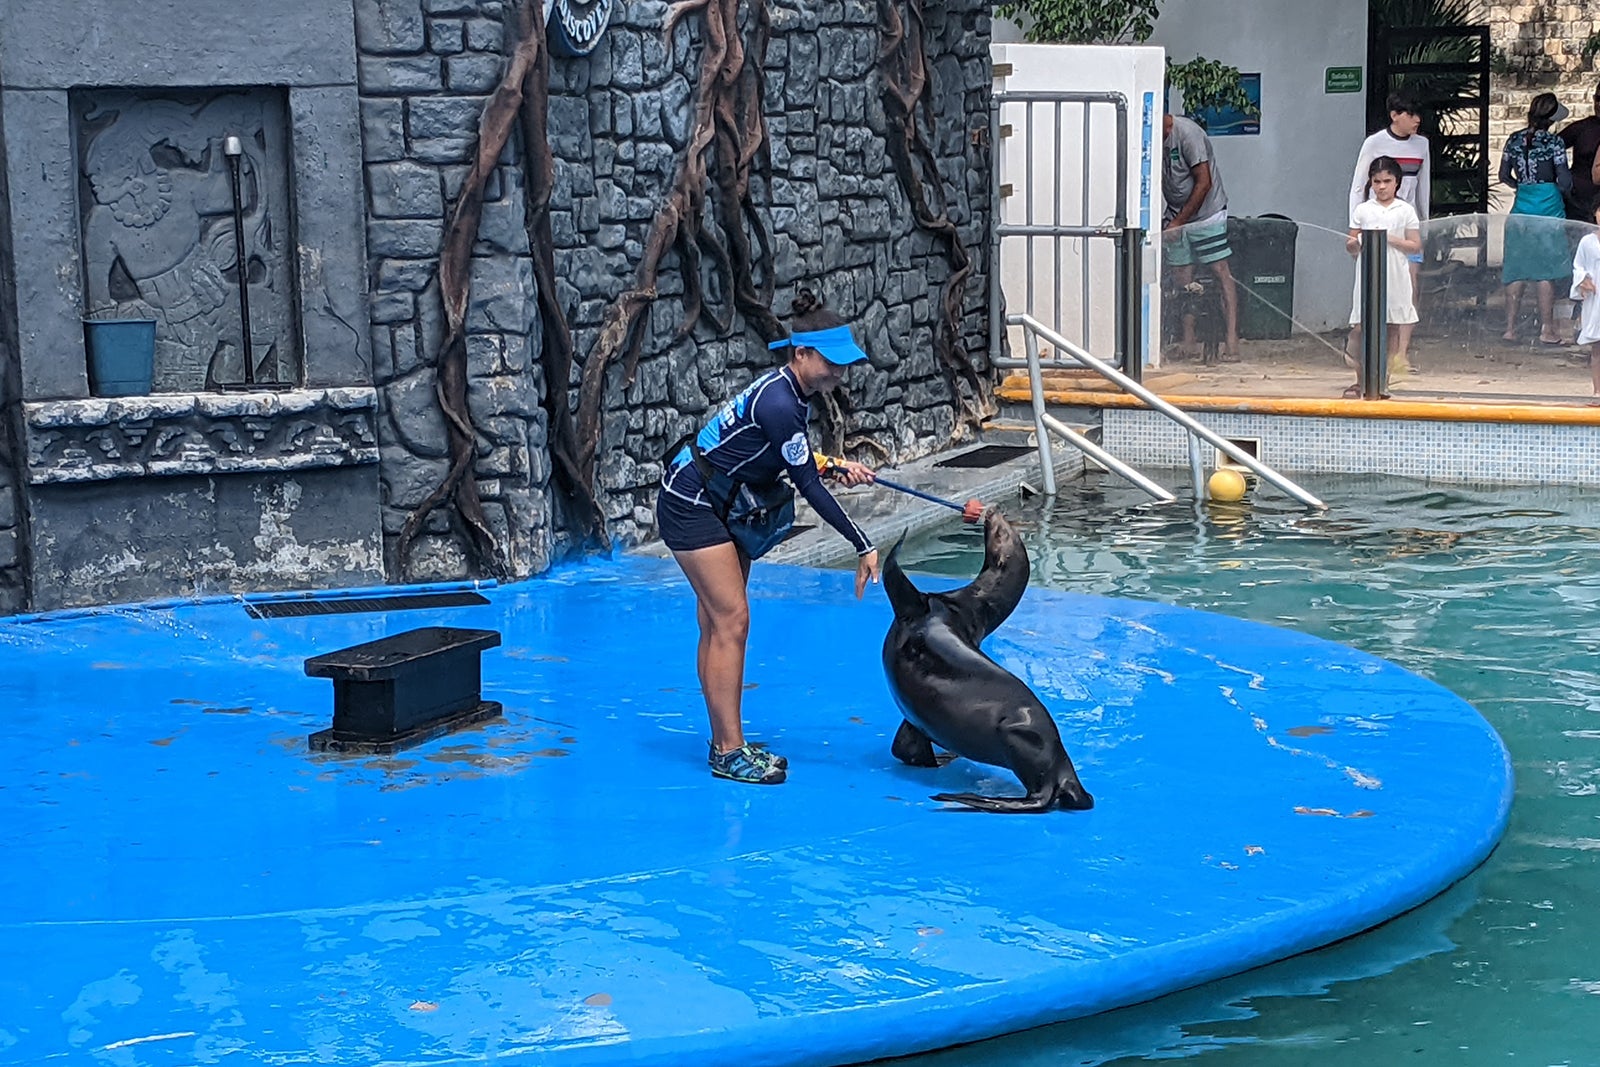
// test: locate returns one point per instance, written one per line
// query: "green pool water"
(1493, 593)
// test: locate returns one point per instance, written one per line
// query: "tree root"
(728, 124)
(869, 443)
(538, 169)
(455, 263)
(906, 77)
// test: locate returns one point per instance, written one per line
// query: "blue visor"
(836, 344)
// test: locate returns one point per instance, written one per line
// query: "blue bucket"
(122, 355)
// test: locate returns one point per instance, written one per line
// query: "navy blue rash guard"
(754, 437)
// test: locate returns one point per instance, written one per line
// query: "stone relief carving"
(139, 437)
(158, 234)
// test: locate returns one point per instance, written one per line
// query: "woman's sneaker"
(758, 752)
(771, 757)
(747, 764)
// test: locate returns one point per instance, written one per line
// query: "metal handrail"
(1044, 425)
(1033, 328)
(1106, 459)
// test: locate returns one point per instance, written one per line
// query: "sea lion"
(954, 696)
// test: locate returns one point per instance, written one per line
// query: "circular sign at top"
(574, 27)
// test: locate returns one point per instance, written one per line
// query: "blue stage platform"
(183, 882)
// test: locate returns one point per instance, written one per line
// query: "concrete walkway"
(1448, 366)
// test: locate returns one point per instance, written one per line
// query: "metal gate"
(1071, 262)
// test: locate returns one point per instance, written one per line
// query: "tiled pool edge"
(1469, 451)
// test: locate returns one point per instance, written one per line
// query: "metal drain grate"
(354, 605)
(987, 456)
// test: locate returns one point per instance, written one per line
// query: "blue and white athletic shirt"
(756, 436)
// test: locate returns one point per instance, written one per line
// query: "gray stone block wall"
(618, 120)
(106, 499)
(384, 105)
(203, 535)
(425, 68)
(839, 221)
(13, 569)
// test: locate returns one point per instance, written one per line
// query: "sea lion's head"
(1000, 539)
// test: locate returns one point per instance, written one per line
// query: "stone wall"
(618, 121)
(425, 69)
(382, 99)
(840, 223)
(194, 489)
(1539, 48)
(13, 591)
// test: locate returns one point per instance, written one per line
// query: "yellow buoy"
(1226, 486)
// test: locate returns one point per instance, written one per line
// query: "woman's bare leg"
(1513, 299)
(1547, 324)
(718, 576)
(1400, 345)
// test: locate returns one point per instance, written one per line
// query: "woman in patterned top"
(757, 437)
(1534, 163)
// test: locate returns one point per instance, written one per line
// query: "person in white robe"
(1585, 272)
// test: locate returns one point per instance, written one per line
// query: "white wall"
(1301, 162)
(1071, 285)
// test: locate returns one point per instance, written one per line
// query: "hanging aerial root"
(728, 132)
(556, 353)
(908, 104)
(455, 255)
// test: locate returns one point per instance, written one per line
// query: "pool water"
(1495, 594)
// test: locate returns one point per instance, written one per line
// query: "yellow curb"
(1425, 410)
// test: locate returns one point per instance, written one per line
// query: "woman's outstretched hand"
(851, 473)
(866, 567)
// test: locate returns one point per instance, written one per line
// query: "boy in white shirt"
(1401, 142)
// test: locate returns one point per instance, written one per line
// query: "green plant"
(1203, 82)
(1209, 83)
(1083, 21)
(1446, 90)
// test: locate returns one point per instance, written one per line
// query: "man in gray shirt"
(1196, 219)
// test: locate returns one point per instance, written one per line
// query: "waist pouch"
(758, 516)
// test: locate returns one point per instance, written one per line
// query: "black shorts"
(685, 527)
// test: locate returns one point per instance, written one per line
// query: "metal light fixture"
(233, 148)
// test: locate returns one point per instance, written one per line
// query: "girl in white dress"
(1386, 211)
(1585, 271)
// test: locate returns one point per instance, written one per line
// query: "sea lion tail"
(907, 600)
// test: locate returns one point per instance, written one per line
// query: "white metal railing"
(1045, 426)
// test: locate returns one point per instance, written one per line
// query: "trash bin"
(1263, 273)
(122, 355)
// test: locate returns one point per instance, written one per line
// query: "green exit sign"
(1341, 80)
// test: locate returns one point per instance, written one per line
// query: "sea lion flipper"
(1028, 805)
(907, 600)
(912, 747)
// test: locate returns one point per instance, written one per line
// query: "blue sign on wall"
(1230, 121)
